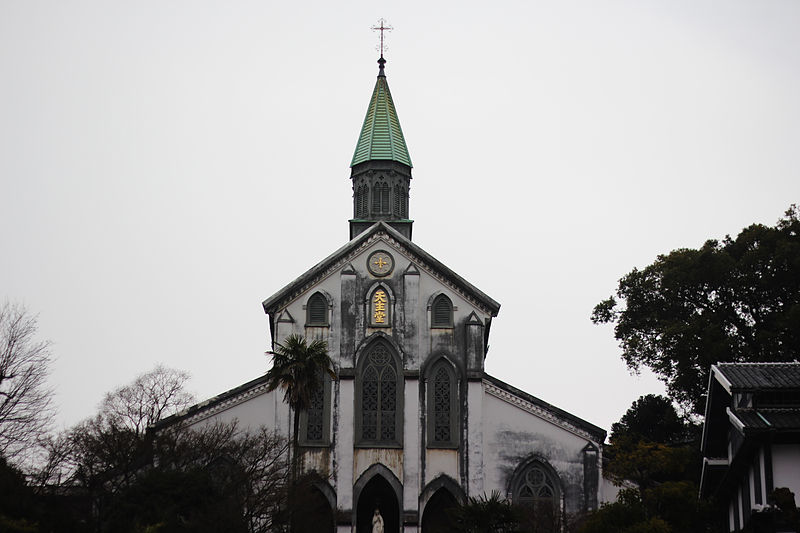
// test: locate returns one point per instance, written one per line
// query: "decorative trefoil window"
(379, 396)
(538, 491)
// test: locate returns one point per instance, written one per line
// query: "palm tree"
(297, 367)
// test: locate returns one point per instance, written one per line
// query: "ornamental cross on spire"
(382, 26)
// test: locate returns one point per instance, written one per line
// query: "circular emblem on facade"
(380, 263)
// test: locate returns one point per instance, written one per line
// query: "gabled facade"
(751, 440)
(412, 424)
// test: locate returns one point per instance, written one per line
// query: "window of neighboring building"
(379, 410)
(442, 406)
(317, 310)
(442, 312)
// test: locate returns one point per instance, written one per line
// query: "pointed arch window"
(315, 421)
(442, 401)
(317, 310)
(537, 490)
(442, 312)
(379, 402)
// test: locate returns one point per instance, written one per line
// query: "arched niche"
(377, 488)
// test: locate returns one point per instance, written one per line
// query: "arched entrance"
(436, 518)
(312, 512)
(378, 494)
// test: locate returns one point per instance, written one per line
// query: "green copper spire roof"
(381, 137)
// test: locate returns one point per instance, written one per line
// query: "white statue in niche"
(377, 522)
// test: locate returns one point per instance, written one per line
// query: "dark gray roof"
(761, 376)
(765, 419)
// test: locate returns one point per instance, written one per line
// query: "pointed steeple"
(381, 136)
(381, 166)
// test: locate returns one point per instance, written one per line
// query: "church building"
(412, 424)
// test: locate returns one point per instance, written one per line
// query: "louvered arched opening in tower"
(381, 202)
(442, 312)
(361, 202)
(317, 310)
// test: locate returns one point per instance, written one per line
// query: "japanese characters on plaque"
(380, 309)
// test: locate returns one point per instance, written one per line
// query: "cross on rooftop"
(382, 26)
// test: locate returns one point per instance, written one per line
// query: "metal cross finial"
(382, 26)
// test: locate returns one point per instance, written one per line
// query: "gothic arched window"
(379, 408)
(317, 310)
(315, 421)
(442, 312)
(537, 490)
(442, 406)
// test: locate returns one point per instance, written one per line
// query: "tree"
(652, 454)
(652, 418)
(214, 478)
(297, 368)
(25, 399)
(152, 396)
(731, 300)
(487, 514)
(127, 477)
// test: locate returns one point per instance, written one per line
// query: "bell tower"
(381, 166)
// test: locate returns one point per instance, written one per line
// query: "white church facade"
(412, 424)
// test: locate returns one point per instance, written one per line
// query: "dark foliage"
(731, 300)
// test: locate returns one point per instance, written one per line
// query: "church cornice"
(217, 404)
(541, 409)
(381, 231)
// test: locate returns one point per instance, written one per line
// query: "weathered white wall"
(344, 472)
(511, 435)
(262, 409)
(411, 446)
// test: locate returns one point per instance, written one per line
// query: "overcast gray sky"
(166, 166)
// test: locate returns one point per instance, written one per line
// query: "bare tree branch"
(26, 409)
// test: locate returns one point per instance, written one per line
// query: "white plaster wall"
(411, 446)
(512, 435)
(786, 467)
(439, 462)
(265, 409)
(345, 476)
(609, 492)
(476, 439)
